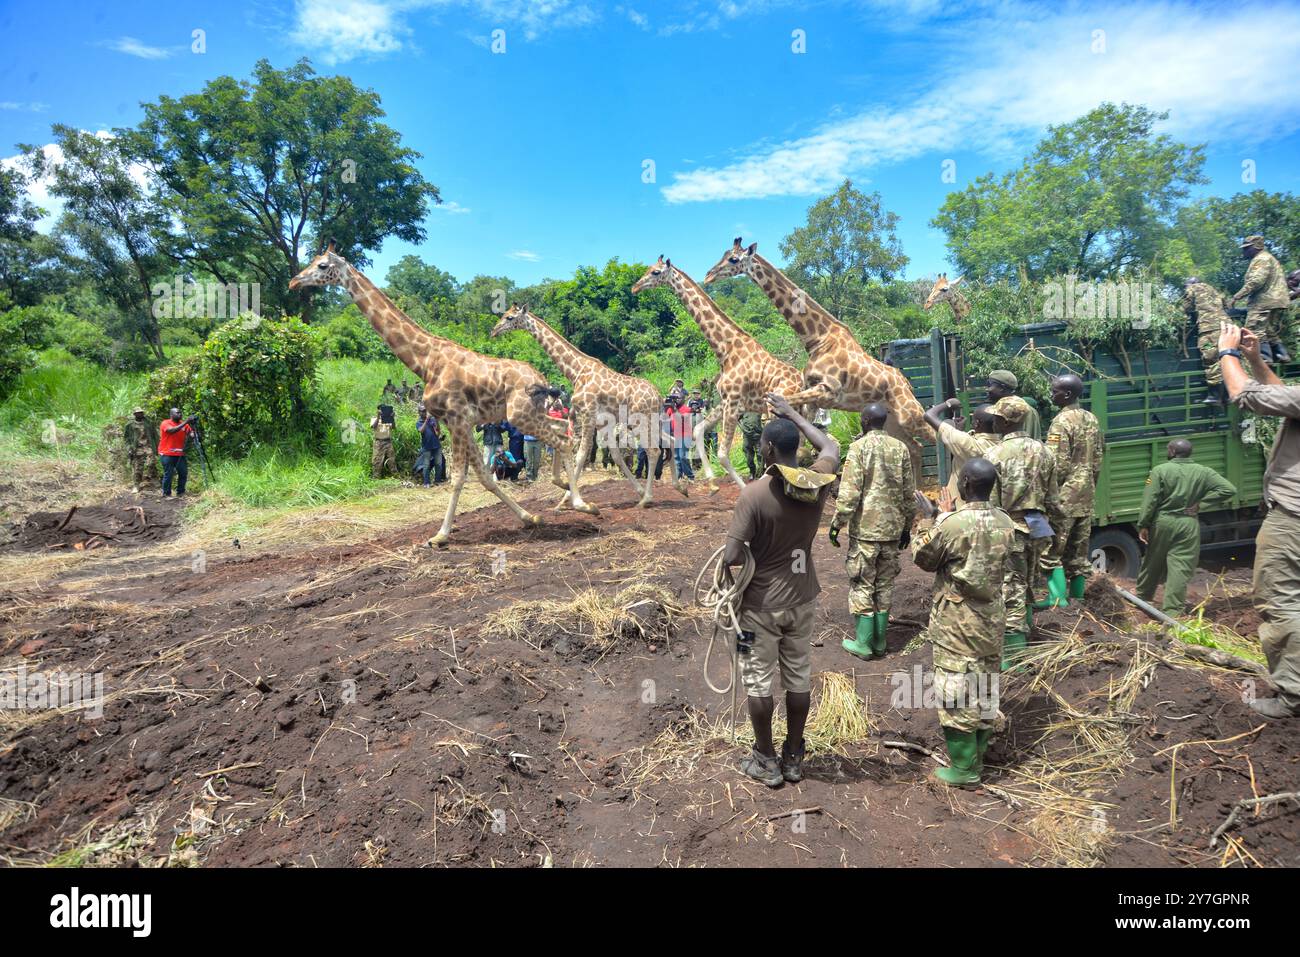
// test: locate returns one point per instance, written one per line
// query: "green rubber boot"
(963, 751)
(981, 745)
(1013, 644)
(1057, 591)
(866, 632)
(1078, 585)
(878, 639)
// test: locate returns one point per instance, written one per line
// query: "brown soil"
(122, 522)
(359, 709)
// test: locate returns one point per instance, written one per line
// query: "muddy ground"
(356, 705)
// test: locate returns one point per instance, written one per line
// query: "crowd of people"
(1008, 535)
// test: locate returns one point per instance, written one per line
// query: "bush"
(22, 332)
(349, 335)
(253, 382)
(83, 339)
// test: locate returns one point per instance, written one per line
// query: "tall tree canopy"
(847, 240)
(257, 173)
(1096, 197)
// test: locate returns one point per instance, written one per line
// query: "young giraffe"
(748, 371)
(839, 373)
(945, 291)
(461, 387)
(602, 398)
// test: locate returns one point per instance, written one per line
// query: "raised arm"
(827, 448)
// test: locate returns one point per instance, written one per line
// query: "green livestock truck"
(1143, 397)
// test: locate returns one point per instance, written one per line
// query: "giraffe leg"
(820, 396)
(727, 435)
(581, 455)
(462, 449)
(907, 424)
(697, 437)
(620, 457)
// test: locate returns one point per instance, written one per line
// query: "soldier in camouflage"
(968, 550)
(1002, 383)
(137, 436)
(751, 430)
(1265, 292)
(876, 504)
(1075, 440)
(1027, 490)
(1204, 305)
(962, 446)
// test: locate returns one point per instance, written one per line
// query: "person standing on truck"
(1265, 292)
(1003, 383)
(777, 517)
(967, 549)
(1169, 524)
(1076, 441)
(1027, 490)
(1204, 305)
(1277, 554)
(961, 445)
(876, 502)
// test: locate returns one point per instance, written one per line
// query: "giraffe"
(602, 401)
(461, 387)
(945, 291)
(748, 372)
(839, 373)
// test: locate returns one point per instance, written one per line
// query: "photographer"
(172, 436)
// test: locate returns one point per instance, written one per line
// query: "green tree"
(1096, 197)
(412, 276)
(848, 240)
(257, 172)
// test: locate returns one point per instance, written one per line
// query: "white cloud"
(137, 48)
(38, 190)
(1034, 67)
(341, 30)
(527, 255)
(28, 107)
(452, 208)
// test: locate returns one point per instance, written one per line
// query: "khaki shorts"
(781, 637)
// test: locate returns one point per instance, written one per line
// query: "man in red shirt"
(172, 436)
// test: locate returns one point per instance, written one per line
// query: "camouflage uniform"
(876, 502)
(967, 550)
(138, 439)
(382, 459)
(1205, 306)
(751, 430)
(1265, 293)
(1026, 482)
(1076, 441)
(962, 447)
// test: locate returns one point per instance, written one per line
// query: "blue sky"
(539, 151)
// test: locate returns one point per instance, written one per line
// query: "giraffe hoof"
(439, 540)
(558, 484)
(531, 521)
(684, 489)
(588, 508)
(713, 489)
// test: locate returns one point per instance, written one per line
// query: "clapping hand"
(925, 506)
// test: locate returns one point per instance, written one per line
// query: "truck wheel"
(1115, 552)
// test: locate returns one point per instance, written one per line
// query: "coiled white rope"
(722, 597)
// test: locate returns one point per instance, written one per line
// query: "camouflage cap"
(137, 411)
(1191, 280)
(1010, 408)
(1253, 242)
(1005, 377)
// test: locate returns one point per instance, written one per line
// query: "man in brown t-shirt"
(777, 515)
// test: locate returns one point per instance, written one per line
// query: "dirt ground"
(536, 698)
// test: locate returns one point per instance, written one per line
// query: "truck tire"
(1115, 551)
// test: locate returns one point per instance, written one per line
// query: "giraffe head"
(734, 261)
(942, 291)
(656, 275)
(516, 317)
(327, 269)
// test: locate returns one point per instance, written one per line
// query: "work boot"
(861, 646)
(963, 751)
(1078, 585)
(792, 762)
(1273, 708)
(1013, 645)
(1280, 353)
(1266, 352)
(878, 639)
(762, 768)
(1056, 590)
(981, 745)
(1217, 395)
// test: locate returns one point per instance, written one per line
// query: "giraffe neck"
(959, 306)
(719, 329)
(810, 321)
(415, 347)
(568, 357)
